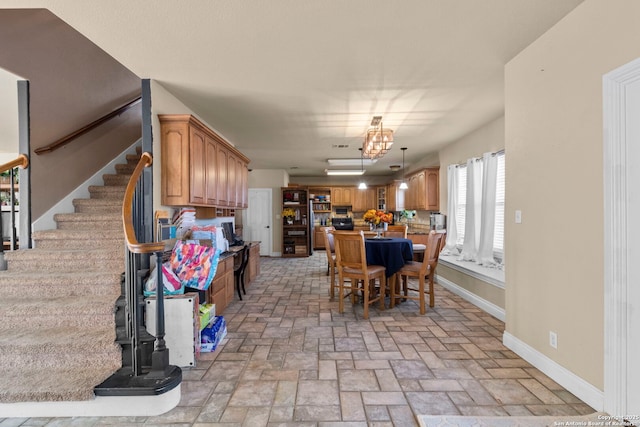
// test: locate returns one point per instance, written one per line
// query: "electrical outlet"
(553, 339)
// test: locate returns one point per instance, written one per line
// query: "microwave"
(341, 210)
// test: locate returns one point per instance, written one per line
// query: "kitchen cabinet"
(321, 199)
(341, 196)
(199, 168)
(222, 176)
(381, 198)
(318, 238)
(423, 191)
(221, 290)
(395, 197)
(363, 200)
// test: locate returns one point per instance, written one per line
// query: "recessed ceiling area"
(290, 82)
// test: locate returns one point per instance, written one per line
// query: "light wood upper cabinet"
(395, 197)
(231, 180)
(364, 200)
(199, 168)
(423, 191)
(211, 156)
(223, 180)
(341, 196)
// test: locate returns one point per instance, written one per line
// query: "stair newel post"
(160, 356)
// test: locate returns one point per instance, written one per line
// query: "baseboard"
(101, 406)
(586, 392)
(65, 205)
(474, 299)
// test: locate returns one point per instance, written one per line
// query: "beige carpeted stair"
(57, 301)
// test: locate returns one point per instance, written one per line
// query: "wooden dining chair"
(396, 231)
(331, 259)
(351, 261)
(419, 248)
(423, 271)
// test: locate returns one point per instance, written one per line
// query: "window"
(498, 238)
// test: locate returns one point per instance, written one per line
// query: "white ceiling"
(286, 80)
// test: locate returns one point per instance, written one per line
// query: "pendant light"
(403, 185)
(362, 185)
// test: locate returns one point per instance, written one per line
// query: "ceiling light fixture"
(377, 141)
(343, 171)
(351, 162)
(403, 184)
(362, 185)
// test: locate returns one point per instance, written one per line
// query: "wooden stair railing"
(22, 162)
(68, 138)
(160, 367)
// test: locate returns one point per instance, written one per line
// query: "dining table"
(391, 252)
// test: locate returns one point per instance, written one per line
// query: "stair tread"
(39, 253)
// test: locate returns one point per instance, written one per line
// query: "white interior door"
(633, 247)
(621, 98)
(259, 218)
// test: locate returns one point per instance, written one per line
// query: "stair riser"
(105, 193)
(123, 169)
(78, 243)
(98, 208)
(35, 290)
(44, 320)
(90, 225)
(116, 179)
(63, 265)
(53, 359)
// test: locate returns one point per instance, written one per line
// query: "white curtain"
(488, 210)
(452, 208)
(473, 213)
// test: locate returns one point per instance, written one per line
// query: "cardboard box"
(207, 313)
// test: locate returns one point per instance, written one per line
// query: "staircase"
(57, 301)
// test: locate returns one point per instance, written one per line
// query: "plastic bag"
(172, 284)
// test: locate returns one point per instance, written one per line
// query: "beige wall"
(554, 175)
(8, 116)
(274, 179)
(488, 138)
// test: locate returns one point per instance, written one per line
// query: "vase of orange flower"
(377, 220)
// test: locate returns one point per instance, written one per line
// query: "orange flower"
(374, 216)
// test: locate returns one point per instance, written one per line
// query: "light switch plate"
(518, 217)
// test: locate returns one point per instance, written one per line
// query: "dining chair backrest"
(396, 231)
(431, 254)
(350, 251)
(434, 246)
(328, 241)
(443, 240)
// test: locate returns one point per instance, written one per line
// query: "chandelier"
(377, 141)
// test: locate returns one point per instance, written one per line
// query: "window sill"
(492, 276)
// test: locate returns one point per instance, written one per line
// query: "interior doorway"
(259, 219)
(621, 96)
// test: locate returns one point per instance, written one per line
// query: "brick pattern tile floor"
(290, 359)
